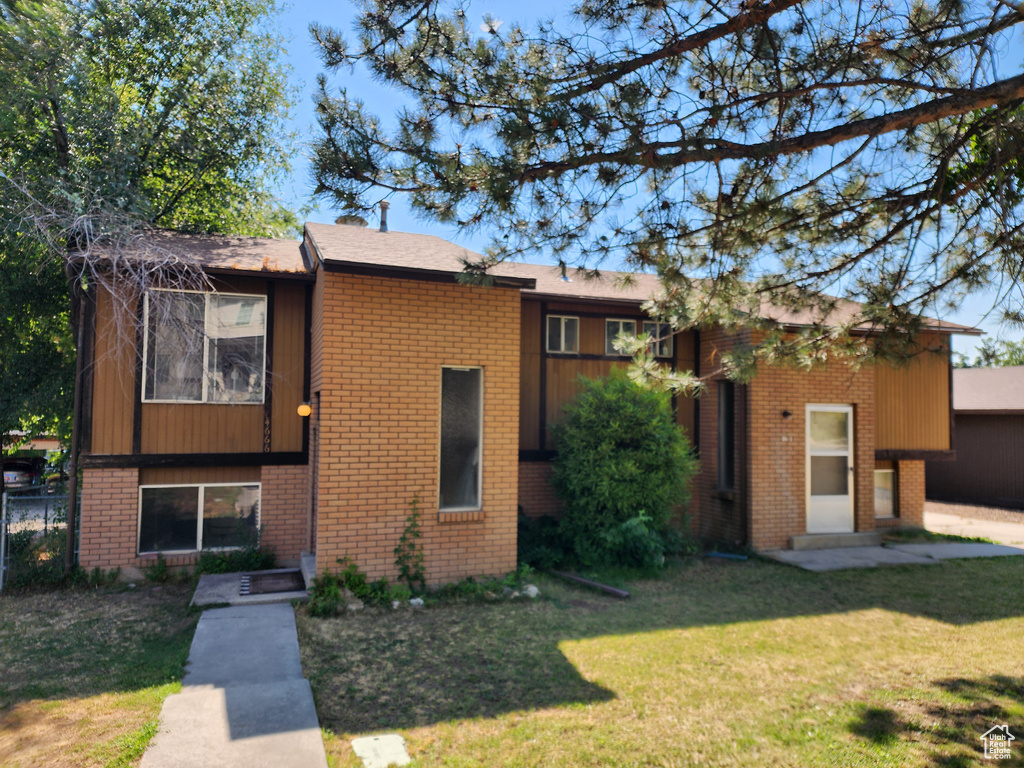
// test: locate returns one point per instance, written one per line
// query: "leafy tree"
(994, 353)
(751, 154)
(623, 468)
(117, 116)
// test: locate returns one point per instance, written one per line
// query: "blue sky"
(306, 65)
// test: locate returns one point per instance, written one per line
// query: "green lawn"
(84, 672)
(718, 663)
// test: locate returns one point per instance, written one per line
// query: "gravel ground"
(995, 514)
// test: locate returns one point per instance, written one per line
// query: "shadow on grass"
(76, 643)
(383, 670)
(953, 728)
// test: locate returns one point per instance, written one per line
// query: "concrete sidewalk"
(1011, 534)
(244, 702)
(890, 554)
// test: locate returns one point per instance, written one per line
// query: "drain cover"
(269, 583)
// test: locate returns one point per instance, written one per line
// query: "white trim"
(849, 453)
(669, 338)
(201, 487)
(620, 320)
(480, 432)
(561, 335)
(206, 347)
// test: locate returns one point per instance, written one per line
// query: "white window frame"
(561, 337)
(609, 350)
(895, 494)
(199, 518)
(206, 346)
(480, 431)
(654, 330)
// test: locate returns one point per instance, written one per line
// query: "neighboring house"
(988, 437)
(420, 387)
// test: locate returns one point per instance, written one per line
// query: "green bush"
(252, 558)
(623, 468)
(540, 542)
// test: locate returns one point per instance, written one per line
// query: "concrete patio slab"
(889, 554)
(955, 551)
(846, 557)
(244, 702)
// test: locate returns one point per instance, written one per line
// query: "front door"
(829, 469)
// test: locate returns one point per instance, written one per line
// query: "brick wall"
(383, 342)
(110, 516)
(284, 511)
(910, 487)
(717, 515)
(536, 496)
(777, 463)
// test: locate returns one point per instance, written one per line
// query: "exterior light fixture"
(786, 414)
(304, 409)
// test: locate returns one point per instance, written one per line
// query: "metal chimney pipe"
(384, 205)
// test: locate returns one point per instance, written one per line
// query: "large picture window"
(188, 518)
(204, 347)
(461, 438)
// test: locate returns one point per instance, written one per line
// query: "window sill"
(470, 516)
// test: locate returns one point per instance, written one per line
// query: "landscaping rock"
(416, 602)
(396, 604)
(506, 591)
(531, 591)
(354, 605)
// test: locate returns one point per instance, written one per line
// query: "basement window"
(204, 347)
(885, 491)
(189, 518)
(461, 439)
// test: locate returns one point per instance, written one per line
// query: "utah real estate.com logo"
(997, 741)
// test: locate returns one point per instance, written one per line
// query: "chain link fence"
(33, 537)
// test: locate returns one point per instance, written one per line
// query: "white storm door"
(830, 469)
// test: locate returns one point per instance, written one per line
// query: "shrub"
(325, 596)
(252, 558)
(540, 542)
(409, 554)
(622, 469)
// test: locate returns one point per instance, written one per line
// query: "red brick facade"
(110, 517)
(383, 344)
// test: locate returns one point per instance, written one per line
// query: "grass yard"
(83, 673)
(718, 663)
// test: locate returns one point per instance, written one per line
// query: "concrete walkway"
(891, 554)
(244, 702)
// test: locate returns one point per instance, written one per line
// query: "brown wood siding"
(912, 401)
(197, 475)
(989, 466)
(287, 373)
(168, 428)
(561, 371)
(529, 376)
(113, 390)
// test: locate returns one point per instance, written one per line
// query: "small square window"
(885, 493)
(612, 329)
(662, 335)
(563, 334)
